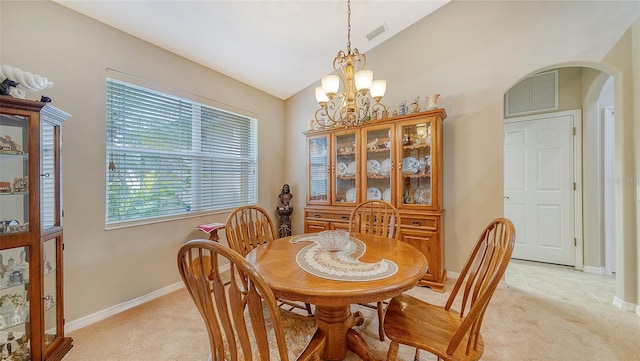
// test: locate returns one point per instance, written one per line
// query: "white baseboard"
(453, 275)
(626, 306)
(594, 270)
(114, 310)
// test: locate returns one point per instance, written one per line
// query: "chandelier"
(350, 106)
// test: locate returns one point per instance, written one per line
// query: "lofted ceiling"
(279, 47)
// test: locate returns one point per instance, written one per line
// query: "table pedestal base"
(336, 323)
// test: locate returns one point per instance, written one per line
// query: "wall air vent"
(534, 94)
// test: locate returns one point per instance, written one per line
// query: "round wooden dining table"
(276, 262)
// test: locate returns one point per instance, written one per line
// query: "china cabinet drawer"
(427, 223)
(328, 216)
(318, 226)
(315, 227)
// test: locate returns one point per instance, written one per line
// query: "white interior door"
(539, 186)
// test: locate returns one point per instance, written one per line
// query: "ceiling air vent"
(533, 94)
(379, 30)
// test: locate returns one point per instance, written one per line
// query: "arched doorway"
(589, 90)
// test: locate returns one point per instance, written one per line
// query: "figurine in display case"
(5, 187)
(20, 184)
(9, 145)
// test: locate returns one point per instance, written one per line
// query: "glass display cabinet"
(395, 159)
(31, 307)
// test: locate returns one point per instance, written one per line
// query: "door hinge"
(574, 186)
(575, 242)
(574, 130)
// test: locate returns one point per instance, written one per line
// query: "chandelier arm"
(338, 66)
(380, 110)
(363, 107)
(323, 119)
(359, 58)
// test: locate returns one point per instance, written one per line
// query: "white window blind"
(173, 156)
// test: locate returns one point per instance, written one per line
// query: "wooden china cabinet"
(396, 159)
(31, 290)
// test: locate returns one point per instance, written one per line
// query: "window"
(170, 157)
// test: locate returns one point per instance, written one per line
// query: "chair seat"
(415, 323)
(298, 331)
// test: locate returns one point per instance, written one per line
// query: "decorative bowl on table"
(333, 240)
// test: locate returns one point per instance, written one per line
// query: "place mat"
(341, 265)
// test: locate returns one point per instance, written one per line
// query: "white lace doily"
(341, 265)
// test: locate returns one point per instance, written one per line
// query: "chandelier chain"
(349, 27)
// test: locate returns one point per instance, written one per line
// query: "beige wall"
(106, 268)
(472, 52)
(460, 51)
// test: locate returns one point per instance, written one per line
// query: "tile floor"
(560, 281)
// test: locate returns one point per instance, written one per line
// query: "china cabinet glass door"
(50, 216)
(14, 219)
(14, 174)
(318, 151)
(345, 149)
(416, 186)
(14, 301)
(50, 293)
(378, 163)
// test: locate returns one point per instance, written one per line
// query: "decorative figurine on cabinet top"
(6, 85)
(403, 108)
(432, 101)
(25, 81)
(415, 105)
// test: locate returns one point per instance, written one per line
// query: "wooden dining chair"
(375, 217)
(247, 227)
(441, 330)
(243, 319)
(379, 218)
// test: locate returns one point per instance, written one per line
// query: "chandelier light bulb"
(378, 88)
(363, 79)
(330, 85)
(321, 96)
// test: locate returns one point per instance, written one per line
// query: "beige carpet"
(518, 326)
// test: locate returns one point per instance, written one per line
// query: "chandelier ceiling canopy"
(351, 105)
